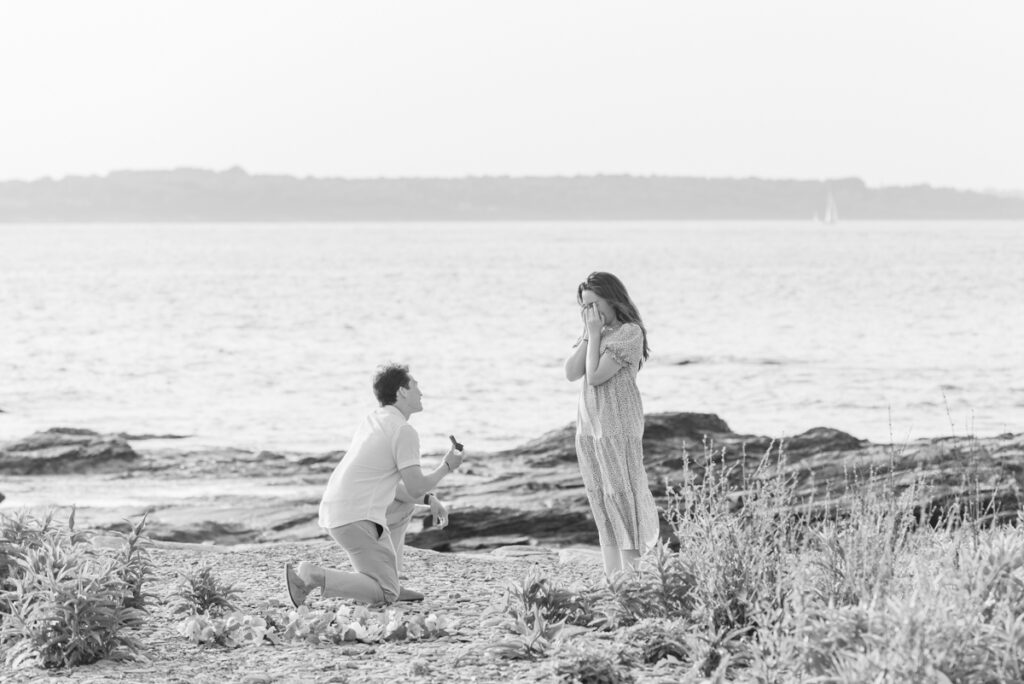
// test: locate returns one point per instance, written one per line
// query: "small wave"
(857, 406)
(729, 360)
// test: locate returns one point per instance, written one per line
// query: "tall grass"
(758, 590)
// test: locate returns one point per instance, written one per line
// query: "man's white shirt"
(363, 484)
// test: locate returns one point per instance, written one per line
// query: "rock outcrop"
(532, 494)
(65, 450)
(824, 467)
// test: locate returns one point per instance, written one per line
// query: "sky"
(895, 92)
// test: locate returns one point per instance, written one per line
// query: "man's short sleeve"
(407, 447)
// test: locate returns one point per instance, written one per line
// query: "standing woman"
(610, 420)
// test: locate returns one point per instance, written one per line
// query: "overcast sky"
(892, 91)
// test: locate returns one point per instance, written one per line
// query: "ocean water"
(265, 336)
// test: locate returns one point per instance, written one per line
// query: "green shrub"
(861, 556)
(18, 533)
(913, 637)
(662, 586)
(540, 595)
(68, 602)
(201, 592)
(592, 664)
(533, 638)
(744, 559)
(134, 564)
(657, 639)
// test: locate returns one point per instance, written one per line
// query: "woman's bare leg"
(630, 558)
(612, 560)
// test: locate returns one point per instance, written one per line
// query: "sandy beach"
(468, 590)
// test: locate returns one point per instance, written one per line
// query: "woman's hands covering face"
(593, 320)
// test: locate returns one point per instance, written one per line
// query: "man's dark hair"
(387, 381)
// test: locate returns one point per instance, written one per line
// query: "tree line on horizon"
(184, 195)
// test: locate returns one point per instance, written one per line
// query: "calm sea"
(266, 335)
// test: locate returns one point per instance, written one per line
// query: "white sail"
(831, 211)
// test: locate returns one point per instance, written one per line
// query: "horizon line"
(238, 169)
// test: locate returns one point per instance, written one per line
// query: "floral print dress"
(609, 434)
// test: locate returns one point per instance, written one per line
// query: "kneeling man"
(363, 491)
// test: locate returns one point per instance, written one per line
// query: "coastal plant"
(663, 585)
(532, 638)
(21, 529)
(8, 568)
(584, 663)
(200, 591)
(655, 639)
(956, 614)
(69, 601)
(68, 607)
(993, 573)
(744, 559)
(860, 556)
(913, 638)
(19, 532)
(134, 564)
(539, 595)
(879, 589)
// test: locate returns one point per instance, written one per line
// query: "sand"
(466, 589)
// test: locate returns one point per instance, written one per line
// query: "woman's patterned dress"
(609, 433)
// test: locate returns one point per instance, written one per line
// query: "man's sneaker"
(297, 590)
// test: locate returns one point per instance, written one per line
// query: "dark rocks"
(690, 426)
(532, 494)
(550, 449)
(820, 439)
(826, 469)
(239, 522)
(65, 450)
(486, 527)
(664, 434)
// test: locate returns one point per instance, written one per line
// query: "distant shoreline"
(235, 196)
(414, 221)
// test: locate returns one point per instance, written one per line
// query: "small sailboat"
(831, 211)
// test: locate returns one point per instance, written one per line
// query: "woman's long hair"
(609, 288)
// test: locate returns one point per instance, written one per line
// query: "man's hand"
(439, 513)
(453, 458)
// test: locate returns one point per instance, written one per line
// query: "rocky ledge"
(66, 450)
(531, 494)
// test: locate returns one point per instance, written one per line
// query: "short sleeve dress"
(609, 434)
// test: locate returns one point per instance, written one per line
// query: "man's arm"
(402, 494)
(417, 483)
